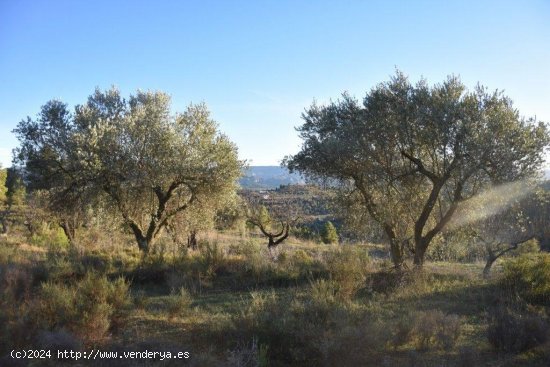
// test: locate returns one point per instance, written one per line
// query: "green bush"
(46, 236)
(442, 250)
(329, 233)
(530, 247)
(529, 277)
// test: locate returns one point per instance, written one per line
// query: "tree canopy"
(133, 155)
(411, 153)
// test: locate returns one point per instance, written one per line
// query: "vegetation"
(411, 153)
(133, 156)
(329, 234)
(441, 174)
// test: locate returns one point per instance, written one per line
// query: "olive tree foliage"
(133, 156)
(201, 216)
(409, 154)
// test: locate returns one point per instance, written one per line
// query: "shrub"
(248, 355)
(178, 303)
(252, 255)
(516, 331)
(530, 247)
(314, 328)
(212, 258)
(140, 299)
(449, 250)
(15, 282)
(428, 329)
(304, 232)
(301, 258)
(329, 234)
(348, 267)
(436, 328)
(46, 236)
(58, 340)
(529, 276)
(89, 308)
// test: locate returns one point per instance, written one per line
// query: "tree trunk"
(419, 252)
(192, 240)
(69, 231)
(487, 269)
(5, 226)
(143, 244)
(271, 243)
(143, 241)
(396, 253)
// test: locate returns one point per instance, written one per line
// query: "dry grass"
(231, 304)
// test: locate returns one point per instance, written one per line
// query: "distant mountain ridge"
(269, 177)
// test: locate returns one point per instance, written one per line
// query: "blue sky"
(258, 64)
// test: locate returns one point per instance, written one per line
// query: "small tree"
(15, 188)
(502, 219)
(3, 186)
(275, 231)
(13, 195)
(329, 233)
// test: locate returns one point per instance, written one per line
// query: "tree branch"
(432, 176)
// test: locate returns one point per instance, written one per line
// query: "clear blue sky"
(258, 64)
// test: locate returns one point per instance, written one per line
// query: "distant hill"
(269, 177)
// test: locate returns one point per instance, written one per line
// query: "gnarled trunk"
(192, 240)
(420, 248)
(396, 253)
(144, 242)
(69, 231)
(488, 264)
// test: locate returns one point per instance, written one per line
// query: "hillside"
(268, 177)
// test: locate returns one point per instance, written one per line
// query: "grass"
(316, 305)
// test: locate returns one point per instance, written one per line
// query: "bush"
(529, 276)
(212, 258)
(312, 329)
(348, 267)
(329, 234)
(49, 237)
(516, 331)
(443, 250)
(428, 329)
(530, 247)
(140, 299)
(178, 303)
(89, 308)
(248, 355)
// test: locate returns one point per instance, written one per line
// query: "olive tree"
(496, 220)
(410, 154)
(134, 156)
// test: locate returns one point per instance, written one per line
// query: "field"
(231, 303)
